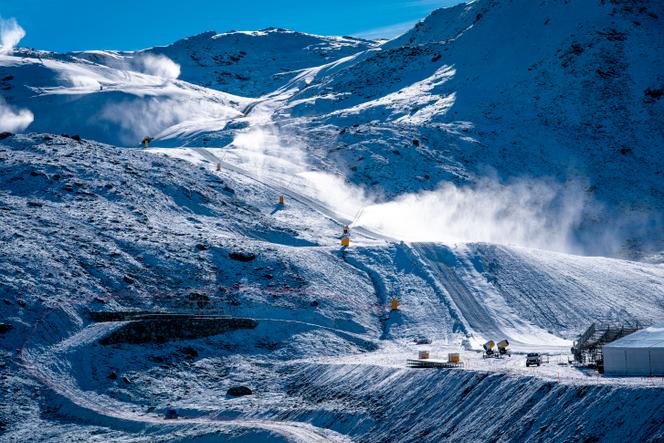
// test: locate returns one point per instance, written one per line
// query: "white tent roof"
(652, 337)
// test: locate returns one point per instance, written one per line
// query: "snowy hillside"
(498, 168)
(88, 227)
(247, 63)
(118, 105)
(569, 90)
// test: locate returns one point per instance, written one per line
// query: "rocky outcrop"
(160, 329)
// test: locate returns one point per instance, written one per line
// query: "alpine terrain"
(264, 235)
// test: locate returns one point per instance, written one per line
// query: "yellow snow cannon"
(488, 349)
(394, 304)
(502, 347)
(281, 200)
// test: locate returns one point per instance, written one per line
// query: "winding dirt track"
(51, 366)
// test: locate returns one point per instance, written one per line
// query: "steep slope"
(93, 227)
(106, 253)
(114, 105)
(569, 90)
(247, 63)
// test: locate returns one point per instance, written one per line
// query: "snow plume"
(264, 149)
(10, 34)
(538, 213)
(13, 120)
(157, 65)
(151, 116)
(528, 212)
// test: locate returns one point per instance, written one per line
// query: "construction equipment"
(502, 347)
(394, 304)
(488, 349)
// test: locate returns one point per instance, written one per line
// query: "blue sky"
(64, 25)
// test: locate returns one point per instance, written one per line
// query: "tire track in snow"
(480, 308)
(380, 290)
(439, 288)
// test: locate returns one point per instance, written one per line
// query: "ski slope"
(397, 140)
(113, 105)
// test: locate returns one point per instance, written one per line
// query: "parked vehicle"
(533, 359)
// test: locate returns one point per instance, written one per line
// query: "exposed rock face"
(174, 327)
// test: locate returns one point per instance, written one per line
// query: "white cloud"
(10, 34)
(14, 120)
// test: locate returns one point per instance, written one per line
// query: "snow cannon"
(488, 347)
(218, 167)
(394, 304)
(502, 347)
(345, 240)
(281, 200)
(146, 141)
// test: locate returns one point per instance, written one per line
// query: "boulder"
(239, 391)
(242, 256)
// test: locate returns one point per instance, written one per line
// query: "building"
(637, 354)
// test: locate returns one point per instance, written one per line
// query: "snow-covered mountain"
(569, 90)
(246, 63)
(481, 160)
(119, 105)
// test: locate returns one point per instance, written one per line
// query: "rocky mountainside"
(197, 290)
(568, 90)
(246, 63)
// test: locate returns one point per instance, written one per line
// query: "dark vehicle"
(533, 359)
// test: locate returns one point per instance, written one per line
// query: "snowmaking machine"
(488, 349)
(503, 346)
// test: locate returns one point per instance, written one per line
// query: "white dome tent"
(637, 354)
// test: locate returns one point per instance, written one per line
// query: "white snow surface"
(502, 179)
(651, 337)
